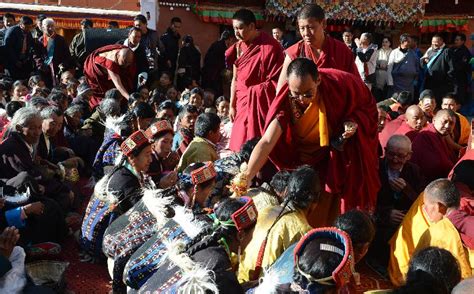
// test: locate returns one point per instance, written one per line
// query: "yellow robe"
(465, 130)
(288, 230)
(417, 232)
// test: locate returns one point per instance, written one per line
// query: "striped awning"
(443, 23)
(67, 17)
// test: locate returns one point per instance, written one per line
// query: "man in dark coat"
(462, 69)
(134, 43)
(439, 68)
(170, 41)
(55, 52)
(19, 49)
(149, 40)
(77, 48)
(214, 63)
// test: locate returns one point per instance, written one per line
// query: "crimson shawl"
(405, 129)
(258, 69)
(334, 54)
(95, 71)
(352, 173)
(432, 154)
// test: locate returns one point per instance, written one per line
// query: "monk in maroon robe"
(430, 150)
(413, 124)
(313, 109)
(257, 59)
(110, 67)
(322, 49)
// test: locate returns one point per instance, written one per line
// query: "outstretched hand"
(350, 129)
(8, 239)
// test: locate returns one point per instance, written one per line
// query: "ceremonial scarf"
(49, 44)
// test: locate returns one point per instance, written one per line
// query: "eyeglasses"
(398, 155)
(302, 97)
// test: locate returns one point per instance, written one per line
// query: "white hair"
(47, 21)
(23, 117)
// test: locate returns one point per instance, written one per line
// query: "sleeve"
(14, 218)
(10, 48)
(391, 60)
(5, 266)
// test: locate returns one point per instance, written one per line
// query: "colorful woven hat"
(246, 216)
(344, 271)
(135, 141)
(158, 127)
(203, 174)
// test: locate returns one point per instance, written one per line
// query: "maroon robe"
(95, 71)
(258, 69)
(352, 173)
(389, 130)
(407, 130)
(432, 154)
(334, 54)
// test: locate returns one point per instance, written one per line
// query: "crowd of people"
(325, 155)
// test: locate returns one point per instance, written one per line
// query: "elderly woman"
(117, 191)
(39, 218)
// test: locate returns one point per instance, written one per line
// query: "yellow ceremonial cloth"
(415, 227)
(311, 129)
(288, 230)
(465, 130)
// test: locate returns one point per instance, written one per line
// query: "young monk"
(462, 128)
(317, 46)
(430, 150)
(426, 224)
(256, 59)
(300, 125)
(414, 122)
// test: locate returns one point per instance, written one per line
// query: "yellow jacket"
(288, 230)
(417, 232)
(199, 150)
(465, 130)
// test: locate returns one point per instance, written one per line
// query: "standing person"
(257, 59)
(214, 63)
(19, 49)
(462, 69)
(279, 34)
(38, 31)
(149, 40)
(366, 59)
(314, 108)
(133, 42)
(383, 55)
(8, 22)
(110, 67)
(77, 48)
(189, 60)
(170, 40)
(403, 67)
(55, 51)
(316, 45)
(439, 70)
(348, 39)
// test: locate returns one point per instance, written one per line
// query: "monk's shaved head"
(125, 57)
(414, 117)
(443, 191)
(400, 141)
(444, 121)
(465, 287)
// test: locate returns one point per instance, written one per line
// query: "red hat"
(158, 127)
(246, 216)
(344, 271)
(135, 141)
(204, 173)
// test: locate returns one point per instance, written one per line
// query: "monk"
(414, 122)
(314, 107)
(256, 59)
(317, 46)
(462, 127)
(426, 224)
(430, 150)
(427, 102)
(109, 67)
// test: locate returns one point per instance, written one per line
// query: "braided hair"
(210, 235)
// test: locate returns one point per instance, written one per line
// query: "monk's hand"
(396, 216)
(232, 113)
(398, 184)
(350, 128)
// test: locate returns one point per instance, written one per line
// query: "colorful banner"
(444, 25)
(223, 14)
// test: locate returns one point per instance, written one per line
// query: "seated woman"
(116, 192)
(131, 230)
(324, 263)
(204, 263)
(280, 226)
(164, 160)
